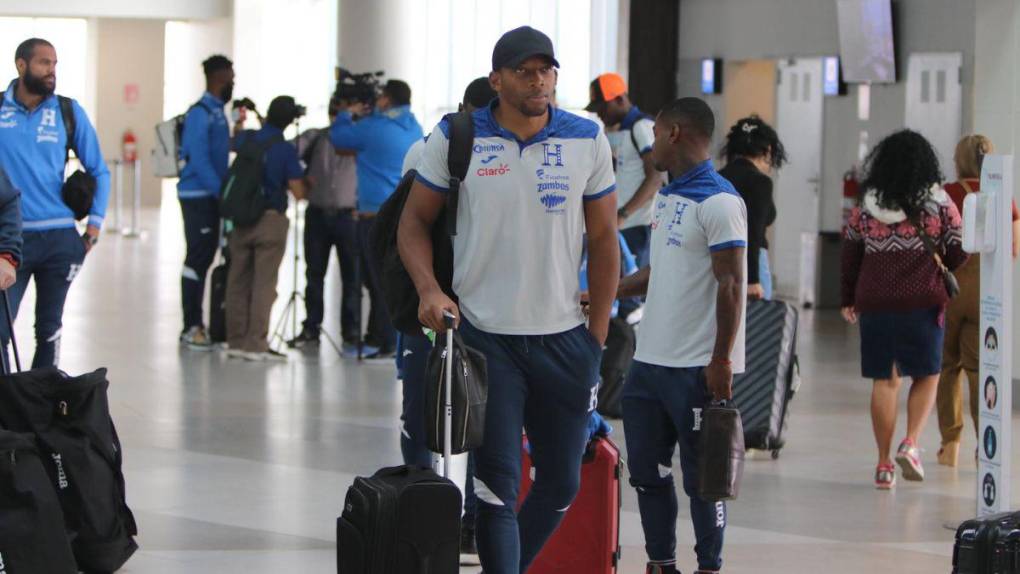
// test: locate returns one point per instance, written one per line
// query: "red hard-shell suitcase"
(588, 539)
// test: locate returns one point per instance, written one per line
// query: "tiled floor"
(242, 468)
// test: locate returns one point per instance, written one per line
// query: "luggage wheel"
(775, 454)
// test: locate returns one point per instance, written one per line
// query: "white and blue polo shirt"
(636, 128)
(697, 214)
(520, 220)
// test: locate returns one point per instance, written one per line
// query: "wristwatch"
(90, 239)
(622, 212)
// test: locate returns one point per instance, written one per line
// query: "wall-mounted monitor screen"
(711, 76)
(866, 41)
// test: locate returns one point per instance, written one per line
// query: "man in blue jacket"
(205, 147)
(10, 232)
(33, 151)
(380, 140)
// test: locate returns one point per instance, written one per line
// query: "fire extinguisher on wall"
(129, 147)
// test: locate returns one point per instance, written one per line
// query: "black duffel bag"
(32, 536)
(70, 420)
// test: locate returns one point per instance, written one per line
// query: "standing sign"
(992, 212)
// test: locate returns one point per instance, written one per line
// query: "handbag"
(721, 453)
(948, 279)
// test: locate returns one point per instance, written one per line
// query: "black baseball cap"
(518, 45)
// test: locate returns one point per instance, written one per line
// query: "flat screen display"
(866, 41)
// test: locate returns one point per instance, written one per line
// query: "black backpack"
(242, 199)
(399, 294)
(32, 536)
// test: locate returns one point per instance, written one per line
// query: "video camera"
(361, 88)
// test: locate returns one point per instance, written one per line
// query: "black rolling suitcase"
(404, 519)
(218, 301)
(32, 536)
(771, 376)
(69, 418)
(616, 359)
(989, 545)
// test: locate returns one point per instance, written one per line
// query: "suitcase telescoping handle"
(9, 317)
(449, 319)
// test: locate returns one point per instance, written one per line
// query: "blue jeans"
(54, 258)
(412, 360)
(765, 273)
(546, 385)
(662, 411)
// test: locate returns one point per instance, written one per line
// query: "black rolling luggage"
(771, 376)
(403, 520)
(989, 545)
(218, 301)
(32, 536)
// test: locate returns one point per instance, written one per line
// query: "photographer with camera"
(256, 249)
(329, 223)
(205, 147)
(380, 138)
(37, 131)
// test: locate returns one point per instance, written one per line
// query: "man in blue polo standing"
(34, 129)
(205, 148)
(380, 138)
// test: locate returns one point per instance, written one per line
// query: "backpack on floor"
(399, 293)
(32, 536)
(242, 200)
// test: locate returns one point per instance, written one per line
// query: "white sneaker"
(273, 356)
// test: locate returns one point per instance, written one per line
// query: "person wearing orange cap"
(630, 135)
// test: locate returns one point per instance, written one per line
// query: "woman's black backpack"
(399, 293)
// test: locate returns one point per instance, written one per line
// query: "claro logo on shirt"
(501, 169)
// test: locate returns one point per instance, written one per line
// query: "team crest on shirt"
(675, 234)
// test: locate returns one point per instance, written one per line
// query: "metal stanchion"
(136, 205)
(118, 196)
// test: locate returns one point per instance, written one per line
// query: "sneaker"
(381, 356)
(885, 476)
(306, 337)
(196, 339)
(909, 458)
(273, 356)
(661, 568)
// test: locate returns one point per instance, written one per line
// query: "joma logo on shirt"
(552, 201)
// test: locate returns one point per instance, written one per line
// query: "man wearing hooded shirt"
(33, 152)
(380, 140)
(205, 147)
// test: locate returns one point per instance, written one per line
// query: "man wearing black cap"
(257, 250)
(539, 178)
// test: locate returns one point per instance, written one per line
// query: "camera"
(362, 88)
(299, 111)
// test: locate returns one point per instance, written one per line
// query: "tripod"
(290, 312)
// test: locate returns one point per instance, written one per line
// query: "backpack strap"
(70, 125)
(458, 158)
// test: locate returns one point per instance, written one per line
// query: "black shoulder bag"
(948, 279)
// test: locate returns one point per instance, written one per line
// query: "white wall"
(997, 100)
(166, 10)
(130, 51)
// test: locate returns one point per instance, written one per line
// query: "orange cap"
(605, 88)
